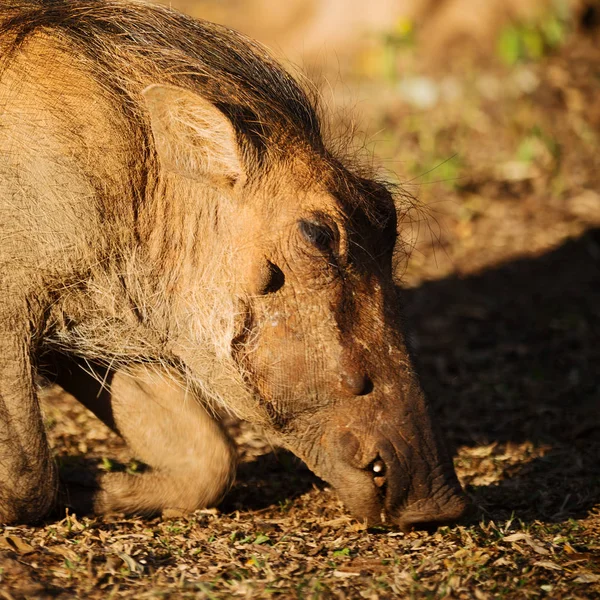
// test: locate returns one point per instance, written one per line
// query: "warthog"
(172, 224)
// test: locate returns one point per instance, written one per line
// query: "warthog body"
(171, 224)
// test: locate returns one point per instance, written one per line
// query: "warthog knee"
(198, 492)
(204, 483)
(157, 491)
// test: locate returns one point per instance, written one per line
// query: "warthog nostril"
(357, 383)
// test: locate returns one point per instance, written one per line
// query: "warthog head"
(313, 342)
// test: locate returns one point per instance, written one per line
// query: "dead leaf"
(546, 564)
(345, 574)
(515, 537)
(569, 549)
(587, 578)
(12, 542)
(537, 547)
(135, 567)
(336, 522)
(65, 552)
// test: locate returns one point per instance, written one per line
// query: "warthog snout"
(394, 473)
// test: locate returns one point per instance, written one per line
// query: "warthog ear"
(192, 136)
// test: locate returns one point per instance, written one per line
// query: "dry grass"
(505, 310)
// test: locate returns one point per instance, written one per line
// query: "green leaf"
(527, 150)
(533, 43)
(262, 539)
(554, 31)
(509, 46)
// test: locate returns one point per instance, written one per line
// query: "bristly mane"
(128, 44)
(142, 40)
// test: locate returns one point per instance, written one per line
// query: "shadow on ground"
(512, 355)
(269, 480)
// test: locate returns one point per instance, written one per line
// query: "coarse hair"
(132, 43)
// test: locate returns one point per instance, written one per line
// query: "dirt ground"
(502, 294)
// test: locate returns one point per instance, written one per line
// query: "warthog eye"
(318, 234)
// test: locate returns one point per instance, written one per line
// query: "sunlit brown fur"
(171, 220)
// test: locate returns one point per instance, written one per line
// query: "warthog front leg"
(27, 473)
(192, 460)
